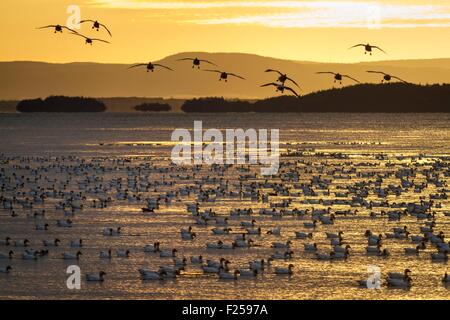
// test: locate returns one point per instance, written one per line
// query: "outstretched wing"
(358, 45)
(138, 65)
(344, 75)
(399, 79)
(380, 72)
(160, 65)
(269, 84)
(292, 90)
(326, 72)
(235, 75)
(106, 28)
(218, 71)
(95, 39)
(273, 70)
(212, 63)
(79, 34)
(87, 20)
(49, 26)
(379, 49)
(71, 30)
(292, 80)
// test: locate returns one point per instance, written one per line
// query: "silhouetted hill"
(25, 80)
(390, 98)
(61, 104)
(153, 107)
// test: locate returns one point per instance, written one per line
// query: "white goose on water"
(404, 282)
(152, 247)
(280, 245)
(310, 247)
(440, 256)
(228, 275)
(96, 277)
(6, 269)
(167, 253)
(123, 253)
(8, 255)
(71, 256)
(106, 254)
(76, 244)
(51, 243)
(283, 270)
(5, 242)
(399, 275)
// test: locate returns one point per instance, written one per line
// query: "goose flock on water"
(316, 204)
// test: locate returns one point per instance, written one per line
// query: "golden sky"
(145, 30)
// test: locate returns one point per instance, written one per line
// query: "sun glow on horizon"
(298, 30)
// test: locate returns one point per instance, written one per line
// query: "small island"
(361, 98)
(61, 104)
(153, 107)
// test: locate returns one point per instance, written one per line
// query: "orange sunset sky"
(145, 30)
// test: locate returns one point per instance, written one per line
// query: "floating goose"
(399, 275)
(96, 25)
(106, 254)
(58, 28)
(282, 77)
(152, 247)
(22, 243)
(288, 270)
(76, 244)
(224, 75)
(367, 48)
(404, 282)
(338, 76)
(150, 66)
(6, 269)
(123, 253)
(440, 256)
(446, 279)
(197, 260)
(42, 227)
(9, 255)
(387, 77)
(196, 62)
(30, 255)
(243, 273)
(166, 253)
(152, 275)
(5, 242)
(51, 243)
(94, 277)
(280, 87)
(228, 275)
(89, 40)
(71, 256)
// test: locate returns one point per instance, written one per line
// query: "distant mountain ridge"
(25, 80)
(361, 98)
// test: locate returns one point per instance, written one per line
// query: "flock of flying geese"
(280, 85)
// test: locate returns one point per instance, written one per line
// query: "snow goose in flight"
(280, 88)
(150, 66)
(196, 62)
(367, 48)
(387, 77)
(224, 75)
(338, 76)
(282, 77)
(97, 25)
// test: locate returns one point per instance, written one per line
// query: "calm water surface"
(145, 138)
